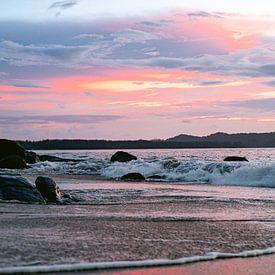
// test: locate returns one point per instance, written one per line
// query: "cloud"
(92, 36)
(49, 54)
(167, 62)
(261, 105)
(127, 36)
(27, 85)
(157, 24)
(89, 94)
(211, 82)
(149, 24)
(186, 121)
(126, 43)
(204, 14)
(139, 49)
(267, 70)
(63, 4)
(65, 119)
(269, 83)
(242, 63)
(3, 74)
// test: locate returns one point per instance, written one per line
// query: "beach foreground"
(143, 229)
(250, 266)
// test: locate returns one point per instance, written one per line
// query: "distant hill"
(217, 140)
(236, 140)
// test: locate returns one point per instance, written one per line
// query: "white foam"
(173, 168)
(257, 175)
(132, 264)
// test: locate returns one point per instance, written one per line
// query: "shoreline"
(61, 234)
(130, 221)
(237, 262)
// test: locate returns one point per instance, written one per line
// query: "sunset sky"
(136, 69)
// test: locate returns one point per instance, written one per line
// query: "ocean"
(171, 165)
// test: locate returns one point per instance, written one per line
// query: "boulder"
(67, 199)
(48, 189)
(234, 158)
(13, 162)
(31, 157)
(171, 164)
(121, 156)
(18, 188)
(9, 147)
(133, 177)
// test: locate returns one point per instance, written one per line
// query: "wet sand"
(264, 265)
(51, 234)
(130, 222)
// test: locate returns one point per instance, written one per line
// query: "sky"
(136, 69)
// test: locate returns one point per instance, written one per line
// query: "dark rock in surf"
(48, 189)
(133, 177)
(31, 157)
(121, 156)
(171, 164)
(19, 189)
(9, 147)
(235, 158)
(13, 162)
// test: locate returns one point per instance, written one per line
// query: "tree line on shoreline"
(217, 140)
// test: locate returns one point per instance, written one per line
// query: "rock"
(9, 147)
(13, 162)
(67, 199)
(48, 189)
(55, 159)
(171, 164)
(234, 158)
(133, 177)
(31, 157)
(121, 156)
(18, 188)
(156, 177)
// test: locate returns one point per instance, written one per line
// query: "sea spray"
(181, 166)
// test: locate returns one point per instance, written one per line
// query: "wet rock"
(18, 188)
(133, 177)
(171, 163)
(48, 189)
(121, 156)
(31, 157)
(9, 147)
(67, 199)
(235, 158)
(13, 162)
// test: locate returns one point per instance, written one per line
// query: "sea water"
(171, 165)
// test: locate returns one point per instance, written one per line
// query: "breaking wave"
(257, 173)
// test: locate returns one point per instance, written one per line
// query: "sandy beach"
(142, 230)
(263, 265)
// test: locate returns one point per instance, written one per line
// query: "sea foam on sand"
(132, 264)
